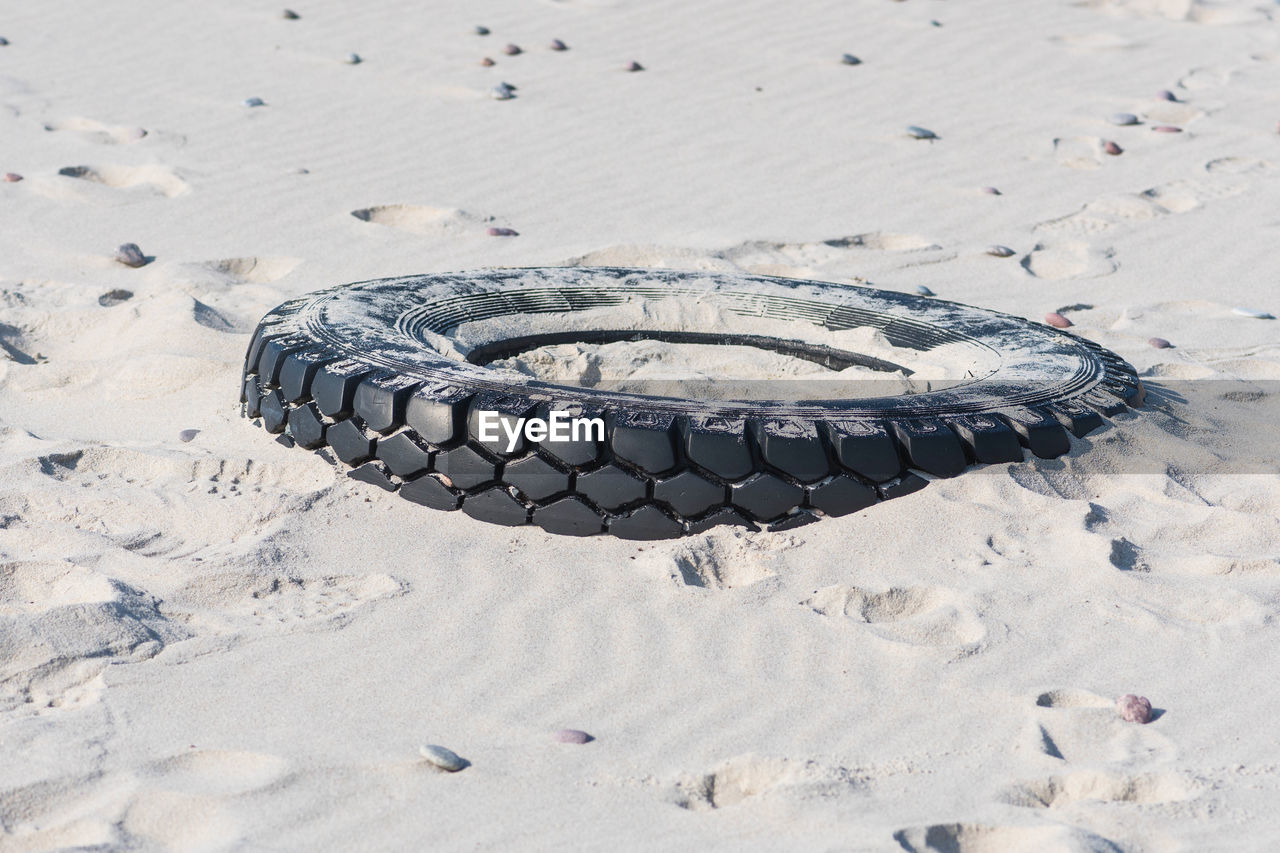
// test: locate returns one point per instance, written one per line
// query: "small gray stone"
(1166, 95)
(1123, 119)
(188, 434)
(1252, 312)
(1000, 252)
(850, 59)
(482, 31)
(1159, 343)
(353, 59)
(254, 102)
(114, 297)
(572, 736)
(1134, 709)
(502, 92)
(920, 132)
(923, 291)
(443, 757)
(131, 256)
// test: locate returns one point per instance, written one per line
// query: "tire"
(368, 371)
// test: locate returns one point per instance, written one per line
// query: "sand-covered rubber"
(361, 369)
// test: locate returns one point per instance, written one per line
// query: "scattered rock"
(1000, 252)
(920, 132)
(188, 434)
(502, 92)
(131, 256)
(1122, 119)
(1159, 343)
(353, 59)
(503, 232)
(254, 102)
(482, 31)
(991, 191)
(1166, 128)
(114, 297)
(487, 62)
(850, 59)
(1134, 709)
(923, 291)
(512, 50)
(4, 42)
(1075, 306)
(12, 177)
(443, 757)
(290, 15)
(1112, 149)
(1251, 312)
(556, 44)
(572, 736)
(1166, 95)
(1053, 318)
(635, 66)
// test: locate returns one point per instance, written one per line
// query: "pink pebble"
(556, 44)
(1134, 709)
(12, 177)
(503, 232)
(486, 62)
(1112, 149)
(1166, 128)
(991, 191)
(635, 66)
(1166, 95)
(1053, 318)
(512, 50)
(572, 736)
(1159, 343)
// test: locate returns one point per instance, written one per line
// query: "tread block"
(1039, 430)
(988, 439)
(510, 409)
(334, 386)
(610, 487)
(306, 427)
(930, 446)
(794, 447)
(375, 473)
(765, 496)
(725, 516)
(274, 411)
(349, 442)
(1078, 418)
(274, 353)
(792, 520)
(265, 332)
(437, 413)
(299, 370)
(841, 495)
(379, 400)
(430, 491)
(901, 486)
(536, 478)
(645, 439)
(585, 449)
(465, 467)
(568, 516)
(719, 445)
(646, 523)
(865, 447)
(1103, 403)
(251, 396)
(688, 493)
(285, 440)
(496, 506)
(404, 456)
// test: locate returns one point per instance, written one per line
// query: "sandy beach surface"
(223, 644)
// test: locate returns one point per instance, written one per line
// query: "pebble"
(1112, 149)
(482, 31)
(572, 736)
(353, 59)
(254, 102)
(1123, 119)
(991, 191)
(3, 41)
(1000, 252)
(556, 44)
(1166, 95)
(188, 434)
(512, 50)
(131, 256)
(12, 177)
(1166, 128)
(923, 291)
(850, 59)
(502, 92)
(1053, 318)
(114, 297)
(920, 132)
(442, 757)
(1159, 343)
(290, 15)
(503, 232)
(487, 62)
(635, 66)
(1134, 709)
(1250, 312)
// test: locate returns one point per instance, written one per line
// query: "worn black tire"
(361, 369)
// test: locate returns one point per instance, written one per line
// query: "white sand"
(223, 644)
